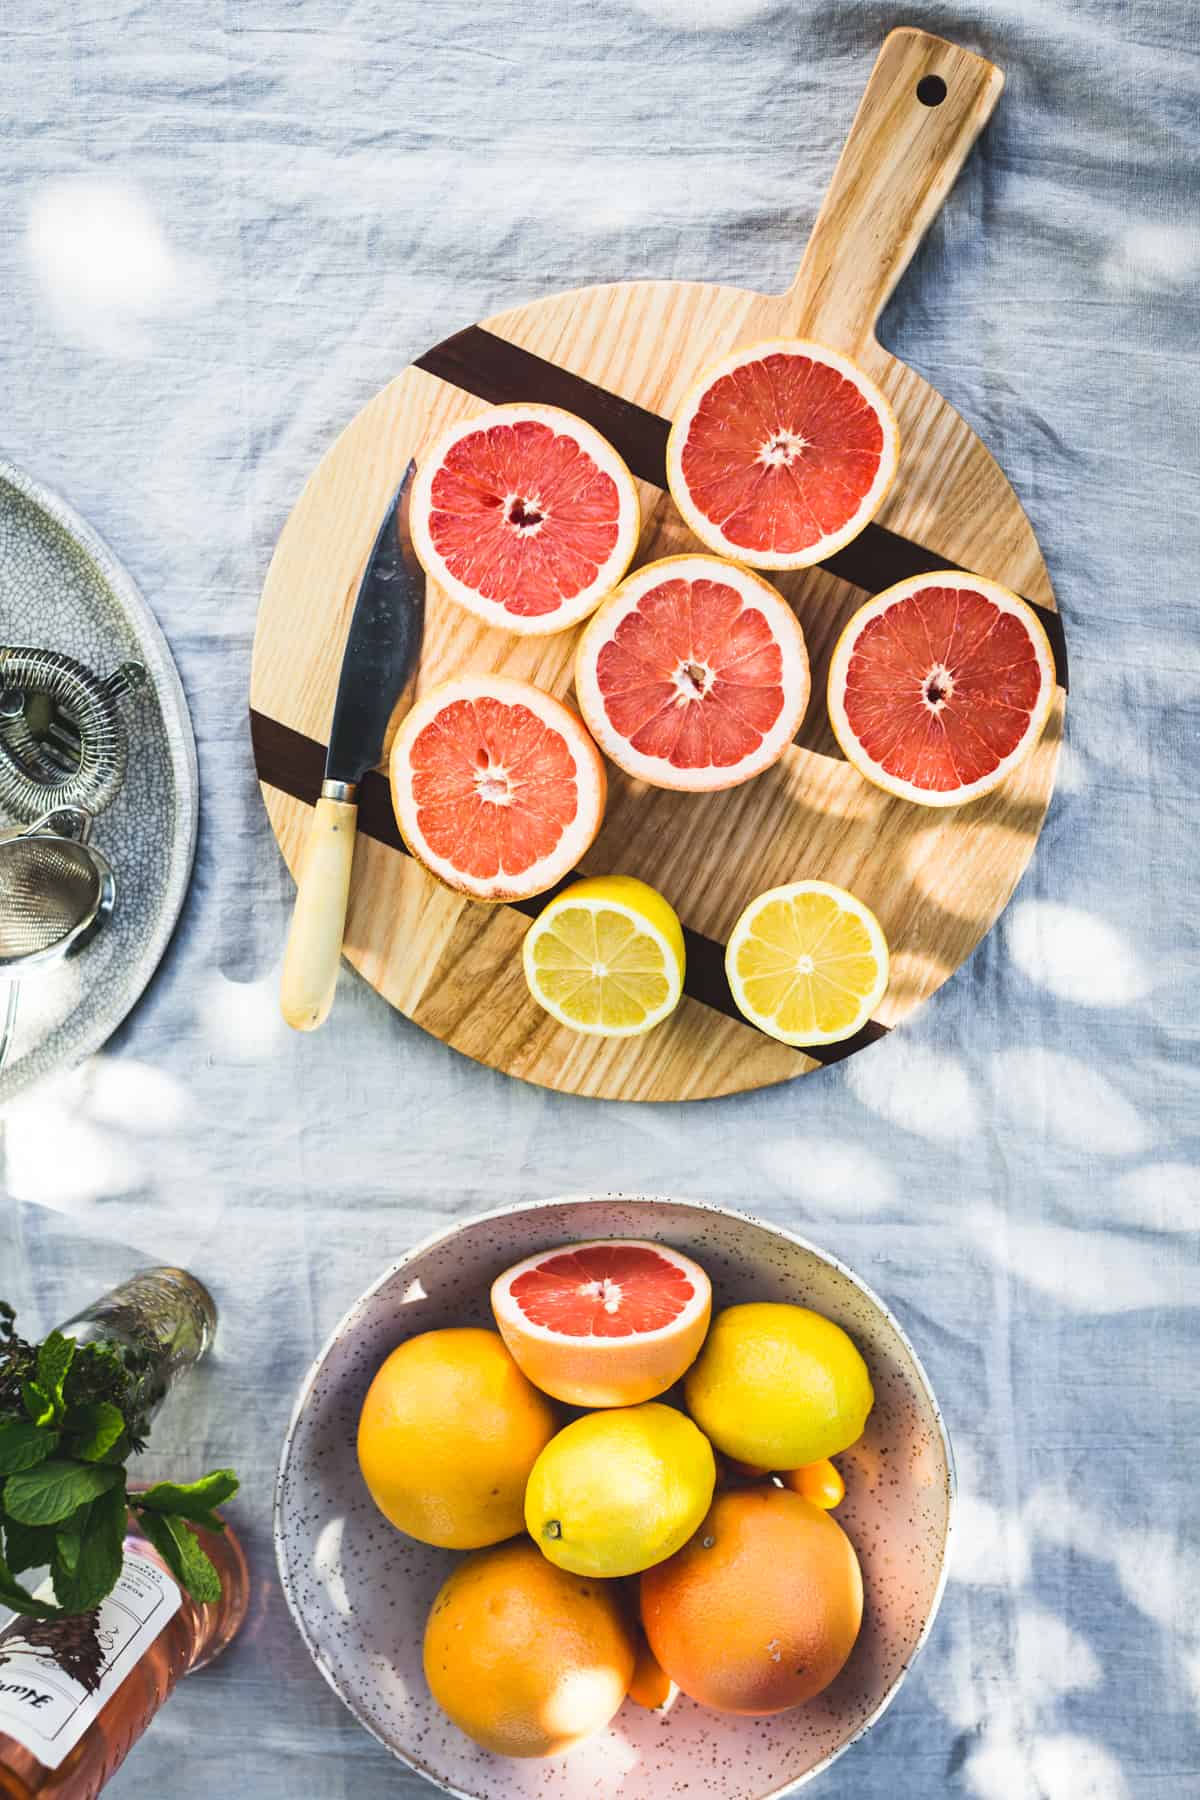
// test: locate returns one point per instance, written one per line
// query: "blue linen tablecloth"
(224, 226)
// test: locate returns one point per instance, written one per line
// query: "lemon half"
(606, 957)
(807, 963)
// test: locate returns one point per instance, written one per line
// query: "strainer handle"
(314, 946)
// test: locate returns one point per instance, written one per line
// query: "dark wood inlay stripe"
(495, 370)
(295, 764)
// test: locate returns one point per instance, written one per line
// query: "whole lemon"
(526, 1659)
(779, 1386)
(448, 1433)
(619, 1490)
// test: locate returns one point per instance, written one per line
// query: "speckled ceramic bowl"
(360, 1591)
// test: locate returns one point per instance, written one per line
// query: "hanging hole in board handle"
(931, 90)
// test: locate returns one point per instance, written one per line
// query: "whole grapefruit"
(448, 1433)
(525, 1658)
(761, 1609)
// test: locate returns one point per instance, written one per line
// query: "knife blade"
(381, 652)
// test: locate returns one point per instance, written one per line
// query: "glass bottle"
(79, 1692)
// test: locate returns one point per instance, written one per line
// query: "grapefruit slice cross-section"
(496, 786)
(526, 516)
(608, 1323)
(782, 453)
(940, 686)
(693, 675)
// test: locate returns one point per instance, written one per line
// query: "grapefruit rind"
(591, 787)
(493, 612)
(598, 895)
(839, 664)
(744, 929)
(756, 592)
(709, 532)
(604, 1372)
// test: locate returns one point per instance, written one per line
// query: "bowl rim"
(560, 1200)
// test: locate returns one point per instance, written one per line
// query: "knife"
(381, 653)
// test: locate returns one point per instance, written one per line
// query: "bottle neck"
(164, 1321)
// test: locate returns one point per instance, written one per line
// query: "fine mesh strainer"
(56, 891)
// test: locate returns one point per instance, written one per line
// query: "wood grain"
(937, 880)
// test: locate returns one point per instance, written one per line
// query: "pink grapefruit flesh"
(609, 1323)
(781, 454)
(940, 686)
(526, 516)
(497, 787)
(693, 675)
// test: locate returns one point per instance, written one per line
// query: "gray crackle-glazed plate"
(61, 588)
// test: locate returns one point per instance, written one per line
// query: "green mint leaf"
(68, 1539)
(192, 1499)
(83, 1584)
(55, 1489)
(157, 1528)
(23, 1445)
(27, 1546)
(54, 1359)
(193, 1568)
(38, 1403)
(14, 1595)
(95, 1429)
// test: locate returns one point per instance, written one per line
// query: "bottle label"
(57, 1674)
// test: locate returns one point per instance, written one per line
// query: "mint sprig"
(70, 1417)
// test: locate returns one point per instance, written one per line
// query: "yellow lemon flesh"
(618, 1491)
(779, 1386)
(807, 963)
(448, 1432)
(606, 957)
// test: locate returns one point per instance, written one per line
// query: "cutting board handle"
(925, 104)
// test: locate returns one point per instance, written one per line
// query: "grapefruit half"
(782, 453)
(693, 674)
(609, 1323)
(940, 686)
(496, 786)
(526, 516)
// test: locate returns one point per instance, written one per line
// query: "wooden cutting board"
(622, 356)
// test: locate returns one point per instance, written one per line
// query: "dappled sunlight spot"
(1085, 1271)
(827, 1172)
(327, 1566)
(1159, 1196)
(990, 1547)
(56, 1159)
(912, 975)
(1074, 954)
(579, 1697)
(104, 262)
(1157, 1573)
(135, 1096)
(1063, 1766)
(924, 1091)
(1050, 1658)
(703, 15)
(1069, 1767)
(952, 881)
(1071, 776)
(1052, 1095)
(1150, 258)
(241, 1019)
